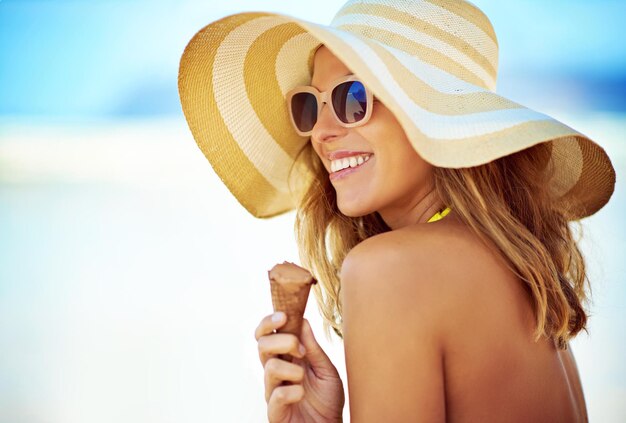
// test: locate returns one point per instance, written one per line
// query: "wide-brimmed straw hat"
(433, 63)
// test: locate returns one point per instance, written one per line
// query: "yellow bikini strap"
(439, 215)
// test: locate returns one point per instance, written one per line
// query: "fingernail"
(302, 349)
(277, 317)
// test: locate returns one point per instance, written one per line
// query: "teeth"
(354, 161)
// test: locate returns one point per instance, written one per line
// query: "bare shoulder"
(403, 295)
(441, 272)
(393, 354)
(440, 259)
(423, 309)
(437, 243)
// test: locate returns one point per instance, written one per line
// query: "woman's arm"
(392, 336)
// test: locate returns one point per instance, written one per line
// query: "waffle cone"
(292, 301)
(290, 285)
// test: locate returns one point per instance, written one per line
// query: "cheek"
(401, 166)
(390, 144)
(384, 132)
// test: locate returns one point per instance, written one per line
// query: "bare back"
(494, 370)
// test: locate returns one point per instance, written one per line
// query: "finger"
(269, 324)
(314, 352)
(281, 398)
(279, 343)
(277, 371)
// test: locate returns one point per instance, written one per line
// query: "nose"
(327, 128)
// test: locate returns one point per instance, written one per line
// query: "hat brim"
(235, 73)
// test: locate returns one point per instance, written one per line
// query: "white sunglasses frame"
(323, 97)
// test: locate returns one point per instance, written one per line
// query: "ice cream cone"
(290, 285)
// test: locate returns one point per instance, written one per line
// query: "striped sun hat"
(433, 63)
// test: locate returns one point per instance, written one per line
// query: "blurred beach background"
(131, 281)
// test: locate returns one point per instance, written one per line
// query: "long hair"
(506, 201)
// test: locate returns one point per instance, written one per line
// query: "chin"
(353, 210)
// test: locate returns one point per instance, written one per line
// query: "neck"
(418, 212)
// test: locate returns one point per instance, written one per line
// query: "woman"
(433, 212)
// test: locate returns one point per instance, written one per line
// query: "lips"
(341, 154)
(343, 172)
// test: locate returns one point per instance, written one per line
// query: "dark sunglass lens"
(304, 111)
(350, 101)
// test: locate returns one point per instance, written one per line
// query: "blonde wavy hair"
(506, 201)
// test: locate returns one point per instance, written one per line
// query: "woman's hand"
(314, 393)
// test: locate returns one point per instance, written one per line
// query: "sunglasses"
(350, 103)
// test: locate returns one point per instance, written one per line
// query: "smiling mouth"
(349, 162)
(343, 167)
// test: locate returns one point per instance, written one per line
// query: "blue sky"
(120, 58)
